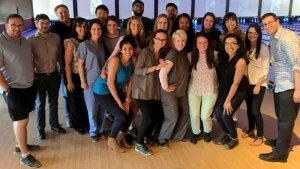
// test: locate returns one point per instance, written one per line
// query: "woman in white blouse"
(203, 86)
(258, 69)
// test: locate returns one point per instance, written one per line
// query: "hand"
(171, 88)
(297, 96)
(121, 106)
(227, 108)
(70, 87)
(256, 89)
(161, 64)
(103, 73)
(84, 85)
(126, 106)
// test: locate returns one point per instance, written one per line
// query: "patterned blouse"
(75, 44)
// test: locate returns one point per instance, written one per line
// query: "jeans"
(47, 84)
(254, 102)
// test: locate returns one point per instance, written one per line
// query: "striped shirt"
(285, 58)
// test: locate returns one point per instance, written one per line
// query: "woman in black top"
(233, 86)
(209, 26)
(184, 22)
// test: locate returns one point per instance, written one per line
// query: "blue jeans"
(64, 93)
(47, 84)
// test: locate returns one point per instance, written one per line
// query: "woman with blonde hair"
(163, 22)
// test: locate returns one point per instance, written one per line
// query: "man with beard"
(63, 27)
(46, 48)
(17, 84)
(172, 11)
(138, 10)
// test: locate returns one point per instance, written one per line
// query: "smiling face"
(138, 9)
(172, 12)
(184, 23)
(160, 40)
(208, 22)
(179, 42)
(127, 50)
(202, 44)
(14, 27)
(81, 29)
(62, 14)
(162, 23)
(112, 27)
(271, 25)
(230, 24)
(252, 35)
(135, 27)
(96, 31)
(43, 25)
(102, 15)
(231, 46)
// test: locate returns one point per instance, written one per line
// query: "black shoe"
(30, 161)
(231, 144)
(225, 139)
(133, 132)
(164, 145)
(80, 131)
(207, 137)
(41, 134)
(271, 143)
(270, 157)
(95, 139)
(194, 139)
(59, 129)
(30, 148)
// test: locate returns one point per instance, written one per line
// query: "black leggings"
(152, 116)
(225, 121)
(254, 102)
(122, 119)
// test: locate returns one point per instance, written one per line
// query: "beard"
(138, 13)
(172, 17)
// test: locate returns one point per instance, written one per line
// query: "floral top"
(75, 43)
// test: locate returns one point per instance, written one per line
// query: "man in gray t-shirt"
(16, 84)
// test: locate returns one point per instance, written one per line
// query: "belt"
(47, 74)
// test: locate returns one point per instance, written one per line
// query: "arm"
(163, 75)
(239, 73)
(297, 86)
(3, 84)
(69, 47)
(82, 53)
(113, 65)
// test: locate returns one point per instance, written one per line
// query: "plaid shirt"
(285, 58)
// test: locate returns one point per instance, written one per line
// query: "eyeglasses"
(252, 33)
(138, 6)
(230, 44)
(14, 26)
(269, 23)
(162, 40)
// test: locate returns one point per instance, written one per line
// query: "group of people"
(177, 78)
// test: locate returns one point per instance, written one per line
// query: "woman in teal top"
(109, 93)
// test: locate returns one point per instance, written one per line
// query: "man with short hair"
(63, 27)
(46, 48)
(172, 11)
(101, 13)
(17, 84)
(285, 58)
(138, 10)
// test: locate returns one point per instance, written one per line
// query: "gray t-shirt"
(17, 62)
(110, 43)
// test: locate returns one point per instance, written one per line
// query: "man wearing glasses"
(138, 10)
(46, 48)
(172, 11)
(17, 84)
(285, 58)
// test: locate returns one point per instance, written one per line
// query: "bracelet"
(154, 68)
(128, 100)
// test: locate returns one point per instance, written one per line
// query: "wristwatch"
(128, 100)
(154, 68)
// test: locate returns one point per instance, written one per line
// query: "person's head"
(102, 13)
(127, 46)
(253, 35)
(112, 25)
(42, 23)
(231, 24)
(14, 25)
(62, 13)
(138, 8)
(203, 45)
(233, 45)
(171, 10)
(208, 22)
(136, 29)
(79, 28)
(162, 22)
(160, 38)
(270, 23)
(183, 22)
(95, 29)
(179, 39)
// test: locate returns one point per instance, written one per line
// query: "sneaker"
(30, 148)
(164, 145)
(231, 144)
(143, 150)
(94, 139)
(225, 139)
(207, 137)
(59, 129)
(30, 161)
(41, 134)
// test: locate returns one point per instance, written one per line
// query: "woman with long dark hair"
(209, 26)
(257, 72)
(233, 86)
(231, 24)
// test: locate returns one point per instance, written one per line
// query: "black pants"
(225, 121)
(122, 119)
(78, 111)
(152, 116)
(254, 102)
(286, 111)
